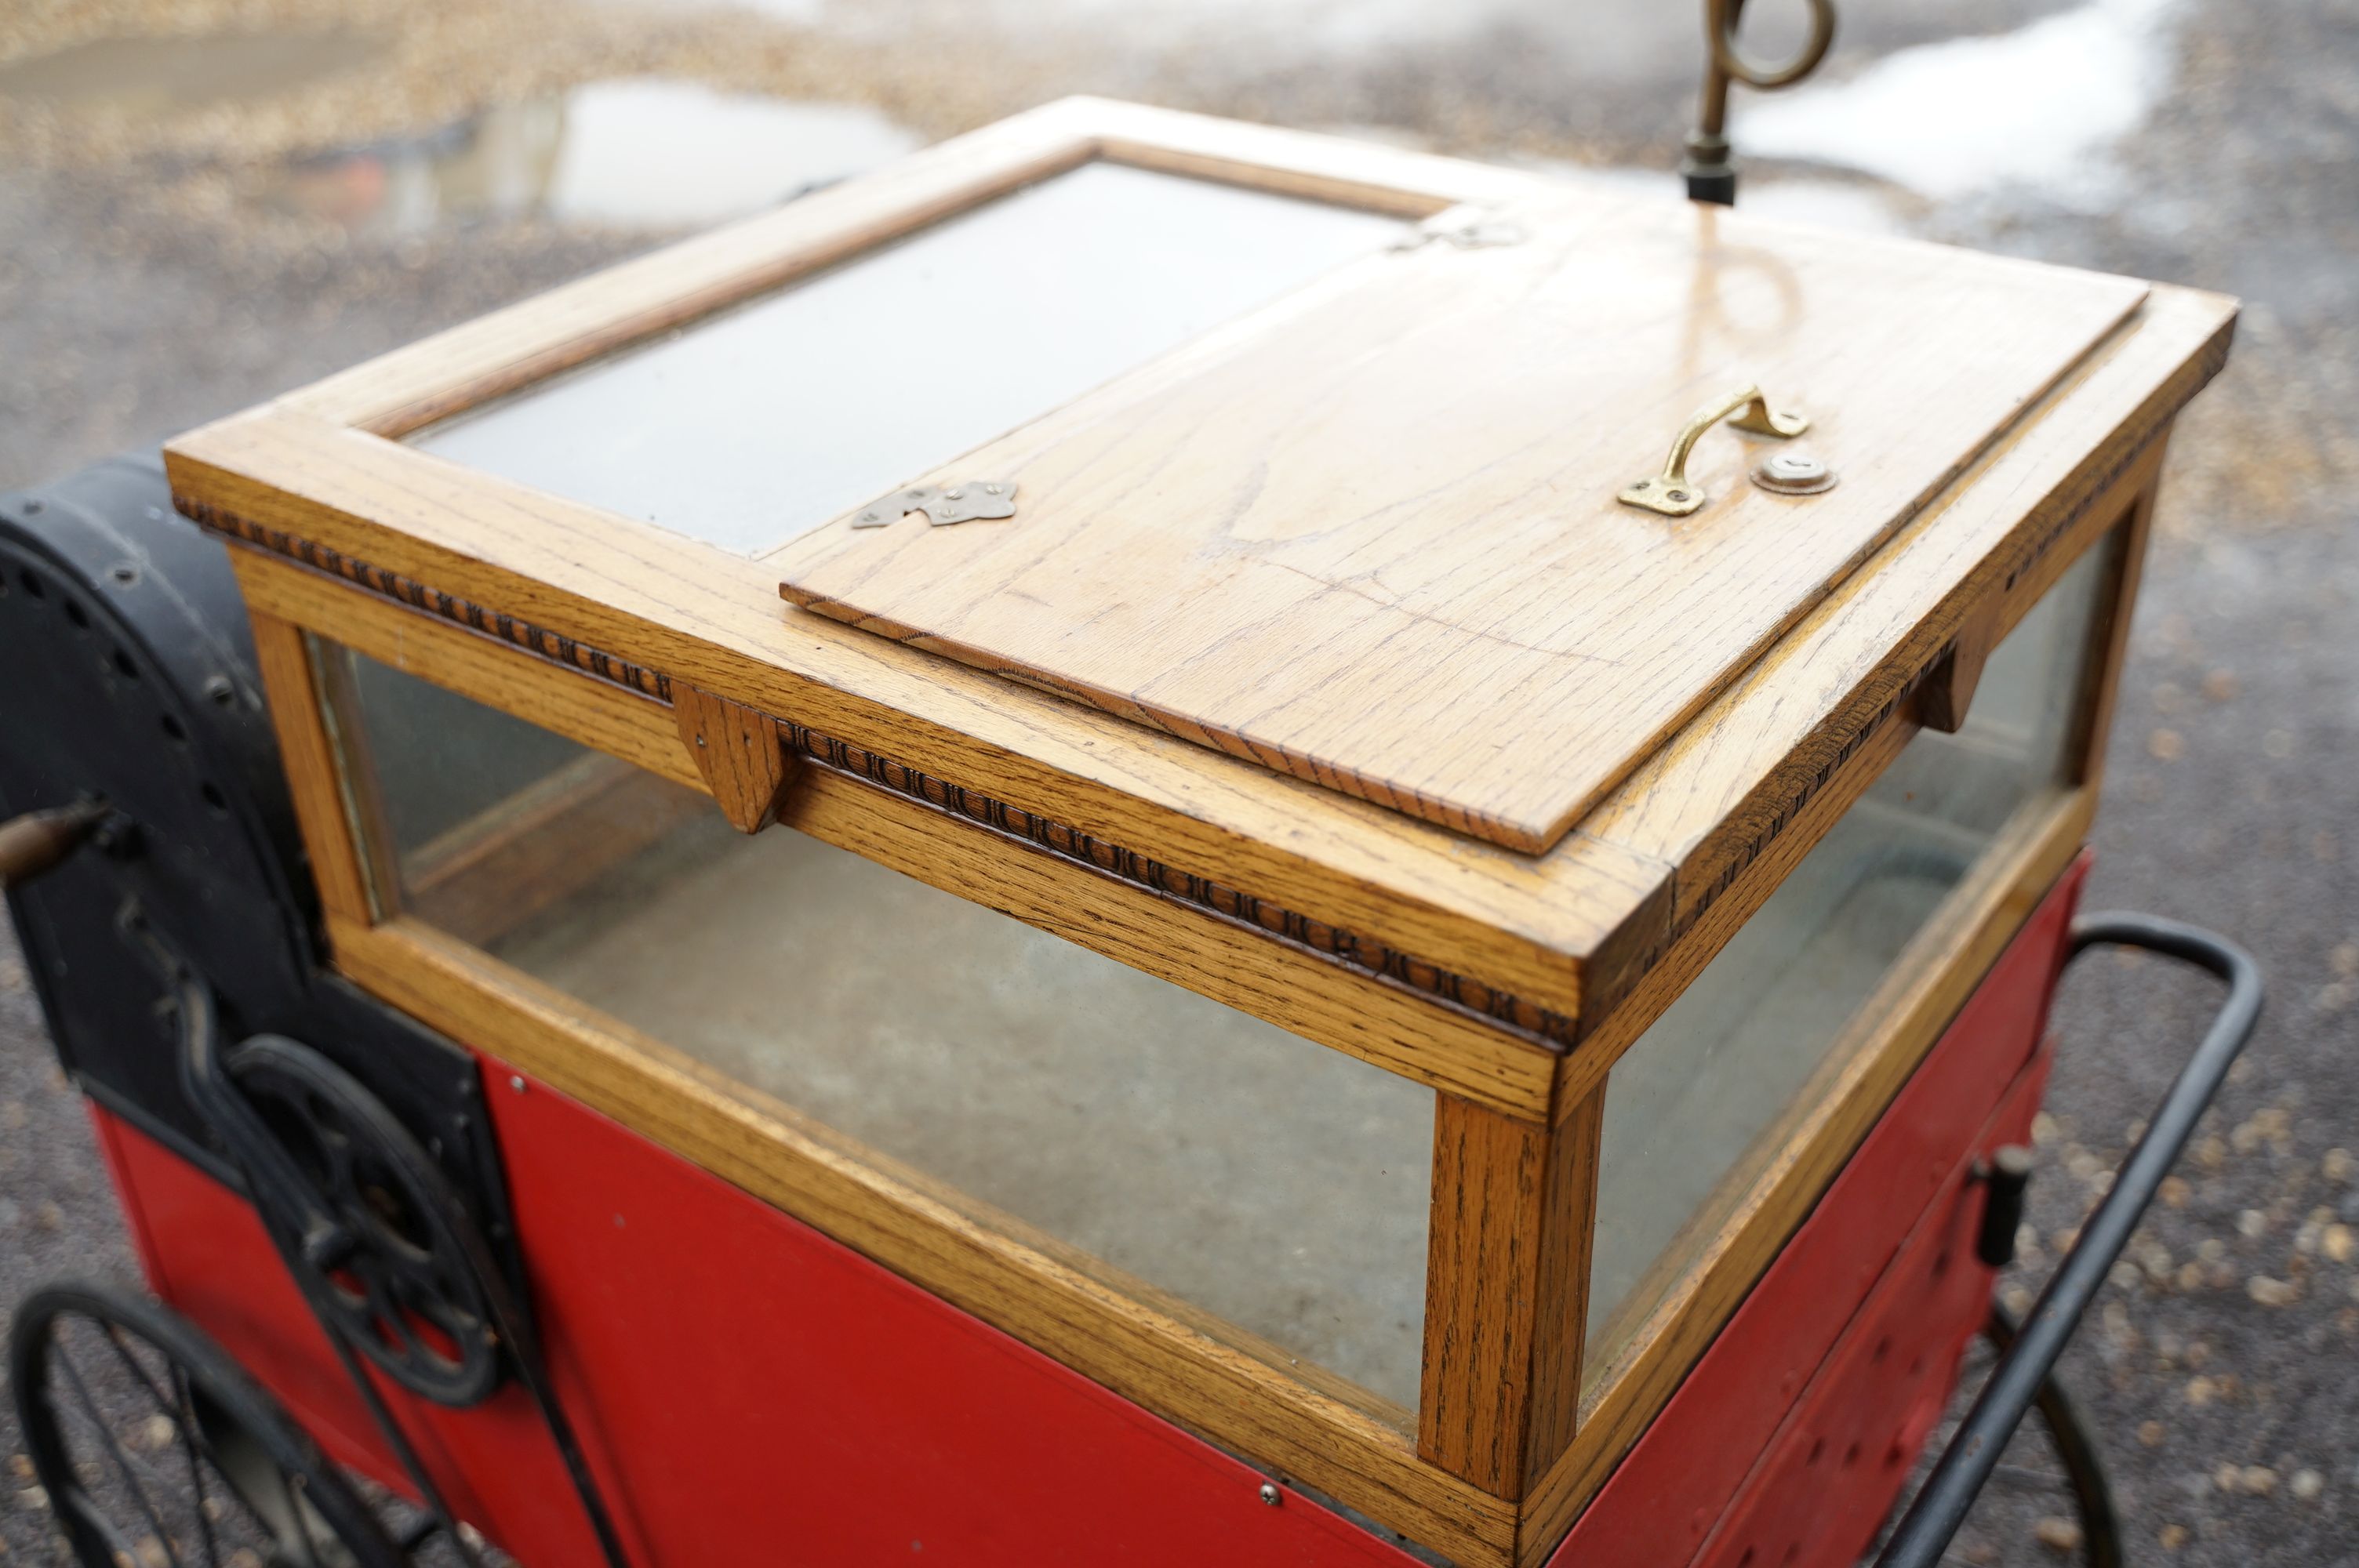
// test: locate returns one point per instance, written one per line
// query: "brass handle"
(1671, 493)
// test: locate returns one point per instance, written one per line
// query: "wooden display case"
(1329, 921)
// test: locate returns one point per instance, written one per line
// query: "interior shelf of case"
(1275, 1182)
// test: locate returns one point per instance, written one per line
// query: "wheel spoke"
(336, 1150)
(295, 1518)
(131, 1364)
(385, 1306)
(188, 1424)
(115, 1451)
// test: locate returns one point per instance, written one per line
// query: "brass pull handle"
(1671, 493)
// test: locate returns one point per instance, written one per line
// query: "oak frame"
(1894, 1029)
(1509, 987)
(1540, 1442)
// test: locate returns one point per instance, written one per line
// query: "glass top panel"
(1267, 1180)
(1700, 1105)
(749, 427)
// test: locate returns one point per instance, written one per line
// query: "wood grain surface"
(282, 653)
(1561, 1314)
(1121, 1333)
(1325, 982)
(1464, 964)
(1369, 535)
(1568, 931)
(1507, 1291)
(1490, 1180)
(741, 753)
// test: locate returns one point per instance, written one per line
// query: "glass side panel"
(751, 426)
(1271, 1182)
(1700, 1102)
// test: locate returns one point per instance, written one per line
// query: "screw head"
(954, 495)
(1271, 1495)
(516, 1082)
(1793, 473)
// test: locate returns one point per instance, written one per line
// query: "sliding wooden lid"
(1370, 536)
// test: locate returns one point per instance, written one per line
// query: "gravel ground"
(153, 274)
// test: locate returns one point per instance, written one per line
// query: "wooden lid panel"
(1369, 537)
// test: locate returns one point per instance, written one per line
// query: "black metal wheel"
(377, 1239)
(158, 1451)
(2075, 1450)
(2048, 1473)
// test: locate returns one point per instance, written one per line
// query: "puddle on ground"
(626, 154)
(2041, 107)
(164, 76)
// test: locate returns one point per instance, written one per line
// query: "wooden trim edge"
(1852, 747)
(1494, 1006)
(1144, 1354)
(2082, 504)
(1615, 1414)
(1481, 1263)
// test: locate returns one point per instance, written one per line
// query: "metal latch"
(1479, 233)
(969, 501)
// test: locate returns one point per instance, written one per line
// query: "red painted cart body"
(750, 1390)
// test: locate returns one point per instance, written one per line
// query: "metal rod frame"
(2015, 1382)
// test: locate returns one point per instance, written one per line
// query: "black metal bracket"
(2005, 1177)
(133, 730)
(2021, 1376)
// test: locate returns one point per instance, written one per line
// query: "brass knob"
(1670, 492)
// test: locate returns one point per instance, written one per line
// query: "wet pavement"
(201, 206)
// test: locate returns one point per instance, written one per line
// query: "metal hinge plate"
(970, 500)
(1480, 233)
